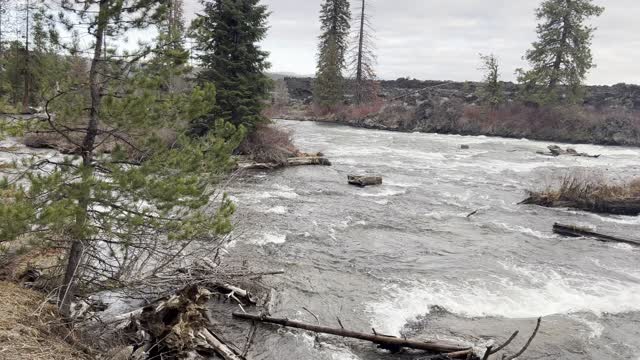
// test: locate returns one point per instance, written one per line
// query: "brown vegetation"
(576, 124)
(107, 140)
(597, 196)
(360, 111)
(269, 144)
(30, 328)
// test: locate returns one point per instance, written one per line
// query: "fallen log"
(575, 231)
(452, 350)
(293, 161)
(363, 181)
(308, 160)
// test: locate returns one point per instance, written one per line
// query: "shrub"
(269, 144)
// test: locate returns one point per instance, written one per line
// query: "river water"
(404, 258)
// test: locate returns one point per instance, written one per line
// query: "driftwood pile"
(555, 150)
(175, 327)
(179, 326)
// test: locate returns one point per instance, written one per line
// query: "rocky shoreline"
(609, 115)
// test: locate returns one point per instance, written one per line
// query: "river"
(404, 258)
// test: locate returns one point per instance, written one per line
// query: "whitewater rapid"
(404, 258)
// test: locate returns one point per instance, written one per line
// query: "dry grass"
(30, 328)
(269, 144)
(6, 166)
(597, 195)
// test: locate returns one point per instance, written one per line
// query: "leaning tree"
(561, 57)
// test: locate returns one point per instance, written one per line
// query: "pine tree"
(491, 91)
(227, 35)
(329, 87)
(170, 52)
(363, 60)
(561, 56)
(132, 200)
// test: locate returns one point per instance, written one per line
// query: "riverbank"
(609, 115)
(30, 328)
(572, 125)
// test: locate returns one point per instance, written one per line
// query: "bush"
(269, 144)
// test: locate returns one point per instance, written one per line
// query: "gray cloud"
(440, 39)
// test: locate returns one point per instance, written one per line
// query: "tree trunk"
(67, 292)
(575, 231)
(566, 25)
(359, 85)
(75, 253)
(386, 341)
(27, 82)
(2, 9)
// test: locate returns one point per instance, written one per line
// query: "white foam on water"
(626, 220)
(525, 230)
(382, 193)
(276, 194)
(622, 246)
(401, 184)
(270, 238)
(282, 187)
(326, 350)
(280, 210)
(526, 293)
(439, 215)
(596, 328)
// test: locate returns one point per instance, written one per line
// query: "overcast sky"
(441, 39)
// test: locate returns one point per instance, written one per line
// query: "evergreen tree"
(363, 60)
(561, 56)
(227, 37)
(335, 18)
(491, 91)
(170, 52)
(146, 203)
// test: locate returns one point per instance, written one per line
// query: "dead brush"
(591, 194)
(269, 144)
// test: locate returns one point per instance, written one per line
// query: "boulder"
(363, 181)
